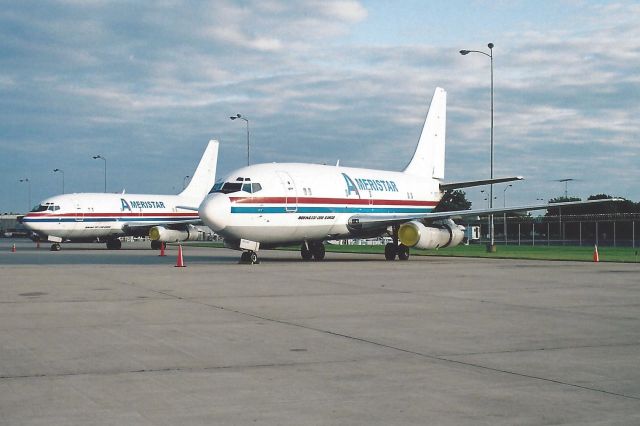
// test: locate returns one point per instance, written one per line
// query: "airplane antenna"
(338, 163)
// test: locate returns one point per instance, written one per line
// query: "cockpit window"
(216, 187)
(45, 207)
(229, 187)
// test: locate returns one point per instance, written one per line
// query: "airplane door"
(79, 213)
(290, 191)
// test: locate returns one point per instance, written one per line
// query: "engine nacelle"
(443, 234)
(160, 233)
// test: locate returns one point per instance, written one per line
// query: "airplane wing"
(366, 222)
(470, 183)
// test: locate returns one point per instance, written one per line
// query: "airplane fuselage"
(309, 202)
(90, 216)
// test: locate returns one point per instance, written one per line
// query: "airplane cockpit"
(50, 207)
(240, 184)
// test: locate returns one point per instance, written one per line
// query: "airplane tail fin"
(205, 175)
(428, 160)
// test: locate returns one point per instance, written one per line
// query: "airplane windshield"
(45, 207)
(229, 187)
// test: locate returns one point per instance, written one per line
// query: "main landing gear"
(114, 244)
(312, 249)
(56, 247)
(249, 257)
(391, 250)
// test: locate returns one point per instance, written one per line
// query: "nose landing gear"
(249, 257)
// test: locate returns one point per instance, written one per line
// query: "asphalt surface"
(96, 337)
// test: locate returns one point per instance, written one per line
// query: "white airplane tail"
(428, 160)
(205, 175)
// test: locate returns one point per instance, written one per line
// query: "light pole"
(95, 157)
(492, 247)
(28, 182)
(504, 204)
(61, 171)
(184, 181)
(233, 117)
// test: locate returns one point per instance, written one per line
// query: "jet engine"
(441, 234)
(160, 233)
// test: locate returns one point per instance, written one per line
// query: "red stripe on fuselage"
(176, 215)
(338, 201)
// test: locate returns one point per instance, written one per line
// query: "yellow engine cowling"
(444, 234)
(160, 233)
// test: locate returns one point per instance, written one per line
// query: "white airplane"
(277, 204)
(106, 217)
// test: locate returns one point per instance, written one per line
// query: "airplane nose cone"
(215, 211)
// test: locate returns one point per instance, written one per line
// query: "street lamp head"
(95, 157)
(56, 170)
(490, 45)
(233, 117)
(464, 52)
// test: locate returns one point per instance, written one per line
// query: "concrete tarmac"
(98, 337)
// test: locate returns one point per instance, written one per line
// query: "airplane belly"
(280, 228)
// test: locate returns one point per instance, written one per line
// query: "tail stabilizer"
(428, 160)
(205, 175)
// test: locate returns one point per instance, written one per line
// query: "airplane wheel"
(249, 257)
(390, 251)
(55, 247)
(403, 252)
(318, 251)
(114, 244)
(305, 252)
(155, 245)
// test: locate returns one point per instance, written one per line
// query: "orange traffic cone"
(162, 249)
(13, 248)
(596, 258)
(180, 262)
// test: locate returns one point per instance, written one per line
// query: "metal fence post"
(533, 233)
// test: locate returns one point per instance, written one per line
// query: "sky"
(147, 84)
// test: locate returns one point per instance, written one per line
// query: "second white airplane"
(276, 204)
(88, 217)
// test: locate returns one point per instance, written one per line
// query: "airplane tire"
(55, 247)
(390, 251)
(253, 257)
(155, 245)
(305, 252)
(114, 244)
(403, 252)
(318, 251)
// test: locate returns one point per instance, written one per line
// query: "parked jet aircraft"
(106, 217)
(268, 205)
